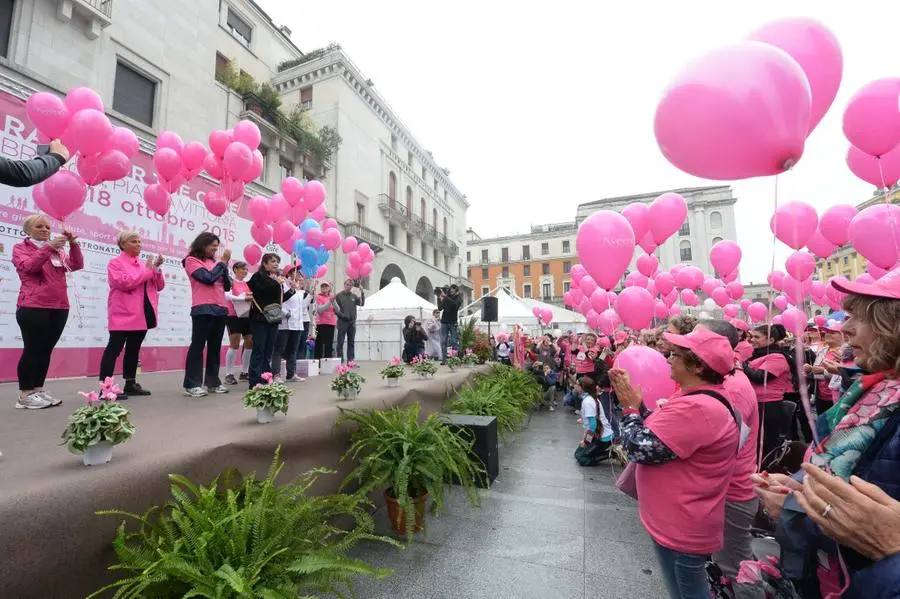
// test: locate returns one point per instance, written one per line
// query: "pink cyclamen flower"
(266, 376)
(109, 390)
(452, 353)
(90, 397)
(469, 352)
(395, 361)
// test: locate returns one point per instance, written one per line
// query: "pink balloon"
(237, 159)
(660, 310)
(40, 198)
(605, 245)
(247, 133)
(689, 297)
(817, 290)
(536, 310)
(744, 304)
(776, 280)
(321, 271)
(725, 256)
(709, 285)
(876, 271)
(89, 169)
(314, 237)
(48, 113)
(735, 290)
(298, 214)
(593, 320)
(331, 239)
(329, 223)
(776, 319)
(292, 190)
(690, 277)
(757, 311)
(636, 279)
(731, 310)
(647, 264)
(667, 214)
(576, 273)
(278, 208)
(584, 306)
(816, 50)
(157, 198)
(665, 283)
(252, 253)
(256, 167)
(674, 310)
(599, 301)
(577, 296)
(167, 163)
(647, 244)
(319, 213)
(259, 210)
(83, 98)
(350, 244)
(124, 140)
(638, 216)
(261, 234)
(730, 277)
(235, 190)
(90, 130)
(352, 271)
(820, 246)
(113, 165)
(219, 142)
(741, 111)
(587, 285)
(216, 203)
(365, 269)
(364, 250)
(794, 320)
(780, 302)
(283, 232)
(796, 290)
(880, 172)
(313, 195)
(720, 296)
(872, 118)
(794, 223)
(65, 193)
(835, 223)
(800, 265)
(194, 155)
(820, 321)
(212, 164)
(875, 233)
(608, 321)
(865, 279)
(170, 139)
(649, 370)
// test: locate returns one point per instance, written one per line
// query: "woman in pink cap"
(769, 369)
(685, 454)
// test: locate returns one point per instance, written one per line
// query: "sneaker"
(32, 401)
(47, 397)
(136, 390)
(121, 397)
(244, 377)
(578, 412)
(551, 408)
(230, 380)
(221, 389)
(196, 392)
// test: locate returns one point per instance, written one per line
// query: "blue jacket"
(800, 538)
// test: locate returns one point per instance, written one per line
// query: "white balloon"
(709, 304)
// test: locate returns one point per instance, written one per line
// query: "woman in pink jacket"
(43, 306)
(134, 287)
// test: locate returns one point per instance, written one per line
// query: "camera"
(439, 290)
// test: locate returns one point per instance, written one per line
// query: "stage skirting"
(51, 542)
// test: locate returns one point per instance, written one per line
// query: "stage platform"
(51, 542)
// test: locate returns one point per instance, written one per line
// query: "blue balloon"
(309, 223)
(324, 256)
(298, 246)
(310, 258)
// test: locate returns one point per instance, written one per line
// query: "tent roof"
(396, 295)
(559, 314)
(509, 308)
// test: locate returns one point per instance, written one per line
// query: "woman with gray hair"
(134, 287)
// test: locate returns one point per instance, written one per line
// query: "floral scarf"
(853, 422)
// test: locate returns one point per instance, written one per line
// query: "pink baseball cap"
(887, 287)
(714, 350)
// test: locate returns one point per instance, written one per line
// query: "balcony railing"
(394, 211)
(97, 14)
(362, 233)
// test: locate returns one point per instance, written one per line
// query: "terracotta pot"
(397, 515)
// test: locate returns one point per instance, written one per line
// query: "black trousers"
(131, 342)
(285, 348)
(264, 336)
(206, 332)
(41, 329)
(324, 341)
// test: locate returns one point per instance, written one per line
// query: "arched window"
(424, 213)
(685, 229)
(408, 199)
(716, 240)
(685, 250)
(392, 187)
(445, 226)
(434, 218)
(715, 220)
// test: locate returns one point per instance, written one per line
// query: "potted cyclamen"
(268, 399)
(393, 371)
(347, 384)
(470, 359)
(424, 366)
(97, 426)
(453, 360)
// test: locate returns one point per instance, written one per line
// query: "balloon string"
(762, 421)
(891, 215)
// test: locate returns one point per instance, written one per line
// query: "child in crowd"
(546, 376)
(597, 437)
(504, 349)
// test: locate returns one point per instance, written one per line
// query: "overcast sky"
(536, 107)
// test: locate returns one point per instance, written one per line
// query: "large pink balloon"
(636, 279)
(124, 140)
(256, 167)
(599, 301)
(794, 320)
(157, 198)
(731, 310)
(738, 112)
(587, 285)
(259, 210)
(193, 155)
(170, 139)
(744, 304)
(252, 253)
(835, 223)
(880, 172)
(638, 216)
(213, 166)
(875, 233)
(649, 371)
(690, 277)
(83, 98)
(43, 204)
(216, 203)
(89, 169)
(283, 231)
(314, 237)
(237, 159)
(776, 280)
(689, 297)
(872, 118)
(48, 113)
(65, 193)
(720, 296)
(219, 142)
(735, 290)
(816, 50)
(660, 310)
(350, 244)
(261, 234)
(800, 265)
(605, 244)
(667, 214)
(647, 264)
(313, 195)
(757, 311)
(331, 239)
(780, 302)
(725, 256)
(709, 285)
(278, 208)
(292, 190)
(665, 283)
(167, 163)
(113, 165)
(576, 273)
(647, 244)
(794, 223)
(90, 130)
(608, 322)
(817, 290)
(248, 134)
(820, 246)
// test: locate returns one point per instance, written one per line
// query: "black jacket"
(449, 306)
(25, 173)
(265, 290)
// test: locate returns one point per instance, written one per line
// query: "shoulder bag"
(273, 313)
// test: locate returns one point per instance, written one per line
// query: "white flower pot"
(393, 381)
(348, 394)
(264, 415)
(97, 455)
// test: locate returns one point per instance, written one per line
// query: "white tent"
(510, 312)
(562, 318)
(379, 324)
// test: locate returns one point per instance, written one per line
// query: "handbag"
(273, 313)
(627, 482)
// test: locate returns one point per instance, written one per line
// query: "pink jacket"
(128, 277)
(325, 310)
(42, 272)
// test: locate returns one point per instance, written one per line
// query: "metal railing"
(104, 7)
(363, 233)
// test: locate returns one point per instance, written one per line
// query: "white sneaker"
(32, 401)
(196, 392)
(221, 389)
(47, 397)
(578, 412)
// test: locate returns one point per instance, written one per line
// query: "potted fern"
(393, 371)
(410, 461)
(506, 393)
(268, 399)
(98, 425)
(347, 383)
(424, 366)
(243, 537)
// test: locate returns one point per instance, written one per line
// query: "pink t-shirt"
(743, 399)
(205, 294)
(583, 364)
(682, 502)
(779, 380)
(325, 315)
(744, 350)
(237, 288)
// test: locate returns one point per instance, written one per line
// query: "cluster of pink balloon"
(544, 315)
(104, 152)
(360, 257)
(872, 125)
(278, 218)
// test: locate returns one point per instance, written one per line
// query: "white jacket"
(304, 304)
(293, 312)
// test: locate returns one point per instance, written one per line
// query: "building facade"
(385, 186)
(533, 265)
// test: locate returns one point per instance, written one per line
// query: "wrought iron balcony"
(394, 211)
(97, 14)
(362, 233)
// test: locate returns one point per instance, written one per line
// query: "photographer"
(414, 338)
(449, 303)
(25, 173)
